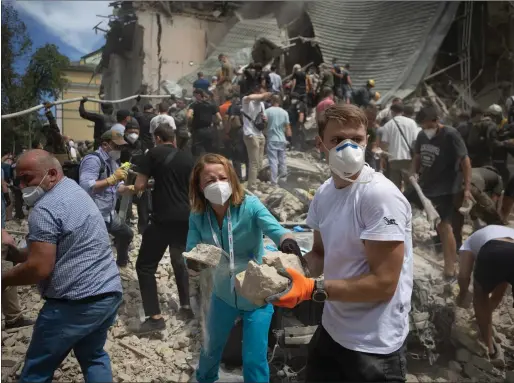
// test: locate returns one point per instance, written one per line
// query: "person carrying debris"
(486, 190)
(398, 139)
(171, 168)
(488, 254)
(103, 122)
(254, 122)
(363, 96)
(223, 216)
(69, 256)
(363, 247)
(279, 130)
(442, 163)
(102, 178)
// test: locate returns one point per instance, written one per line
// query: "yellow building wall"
(72, 124)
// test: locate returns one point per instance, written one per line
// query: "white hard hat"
(495, 109)
(297, 67)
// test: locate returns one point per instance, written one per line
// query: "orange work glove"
(300, 289)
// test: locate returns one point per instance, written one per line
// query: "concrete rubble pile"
(171, 355)
(443, 336)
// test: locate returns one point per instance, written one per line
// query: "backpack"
(259, 122)
(72, 170)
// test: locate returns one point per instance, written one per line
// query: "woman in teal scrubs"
(221, 215)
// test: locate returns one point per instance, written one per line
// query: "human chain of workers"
(361, 261)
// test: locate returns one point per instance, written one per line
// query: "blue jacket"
(250, 221)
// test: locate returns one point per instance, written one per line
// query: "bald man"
(69, 257)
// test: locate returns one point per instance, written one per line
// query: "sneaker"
(186, 312)
(20, 322)
(150, 326)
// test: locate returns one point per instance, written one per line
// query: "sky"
(67, 24)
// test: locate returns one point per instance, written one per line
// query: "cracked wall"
(162, 48)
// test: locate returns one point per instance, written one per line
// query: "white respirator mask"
(346, 160)
(32, 194)
(218, 192)
(132, 137)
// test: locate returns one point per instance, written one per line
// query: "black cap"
(122, 114)
(147, 107)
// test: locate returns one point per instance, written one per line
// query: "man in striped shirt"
(70, 258)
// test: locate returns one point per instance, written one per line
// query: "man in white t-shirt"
(398, 138)
(163, 116)
(489, 254)
(254, 138)
(363, 246)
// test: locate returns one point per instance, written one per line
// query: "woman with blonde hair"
(222, 215)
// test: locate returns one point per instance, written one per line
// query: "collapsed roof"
(394, 43)
(238, 44)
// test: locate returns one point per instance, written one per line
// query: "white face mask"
(346, 160)
(430, 133)
(32, 194)
(218, 192)
(132, 137)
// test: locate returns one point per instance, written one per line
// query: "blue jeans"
(256, 325)
(276, 152)
(63, 326)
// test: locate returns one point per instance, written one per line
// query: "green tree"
(42, 79)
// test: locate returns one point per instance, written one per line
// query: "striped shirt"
(84, 264)
(89, 173)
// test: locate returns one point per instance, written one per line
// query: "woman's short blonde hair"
(196, 197)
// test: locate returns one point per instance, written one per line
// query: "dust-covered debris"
(259, 282)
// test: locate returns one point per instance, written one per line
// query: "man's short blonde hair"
(346, 114)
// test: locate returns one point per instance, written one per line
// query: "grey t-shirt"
(440, 171)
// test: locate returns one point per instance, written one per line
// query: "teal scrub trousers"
(256, 325)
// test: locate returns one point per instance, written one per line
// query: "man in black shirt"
(144, 125)
(236, 146)
(169, 223)
(134, 152)
(442, 162)
(103, 122)
(297, 113)
(201, 113)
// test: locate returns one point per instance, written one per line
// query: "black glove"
(290, 246)
(84, 99)
(7, 199)
(138, 98)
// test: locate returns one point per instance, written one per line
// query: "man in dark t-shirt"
(202, 114)
(486, 188)
(443, 165)
(171, 168)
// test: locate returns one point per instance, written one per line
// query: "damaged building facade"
(455, 53)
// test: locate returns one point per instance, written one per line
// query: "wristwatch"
(319, 294)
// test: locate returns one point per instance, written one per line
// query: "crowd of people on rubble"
(190, 166)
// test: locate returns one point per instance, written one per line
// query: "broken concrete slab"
(482, 363)
(463, 355)
(206, 254)
(281, 260)
(259, 282)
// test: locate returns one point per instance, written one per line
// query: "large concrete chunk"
(207, 254)
(259, 282)
(281, 260)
